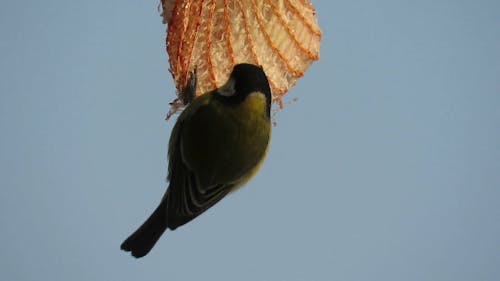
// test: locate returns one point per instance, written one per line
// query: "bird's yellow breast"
(254, 103)
(252, 107)
(253, 110)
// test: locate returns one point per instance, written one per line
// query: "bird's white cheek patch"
(227, 89)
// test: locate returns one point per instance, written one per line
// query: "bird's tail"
(144, 238)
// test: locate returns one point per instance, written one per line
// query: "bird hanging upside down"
(217, 144)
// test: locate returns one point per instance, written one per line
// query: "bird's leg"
(189, 91)
(187, 94)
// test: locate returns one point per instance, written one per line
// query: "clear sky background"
(387, 167)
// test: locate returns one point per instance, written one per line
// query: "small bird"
(217, 144)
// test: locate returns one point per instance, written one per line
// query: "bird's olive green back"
(237, 134)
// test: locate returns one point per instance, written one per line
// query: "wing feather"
(186, 197)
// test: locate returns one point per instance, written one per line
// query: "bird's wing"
(186, 197)
(186, 200)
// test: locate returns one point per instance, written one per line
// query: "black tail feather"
(144, 238)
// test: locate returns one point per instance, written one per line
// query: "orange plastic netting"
(283, 36)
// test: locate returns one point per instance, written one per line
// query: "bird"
(218, 143)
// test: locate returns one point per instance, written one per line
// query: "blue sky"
(386, 168)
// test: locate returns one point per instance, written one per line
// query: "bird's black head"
(244, 80)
